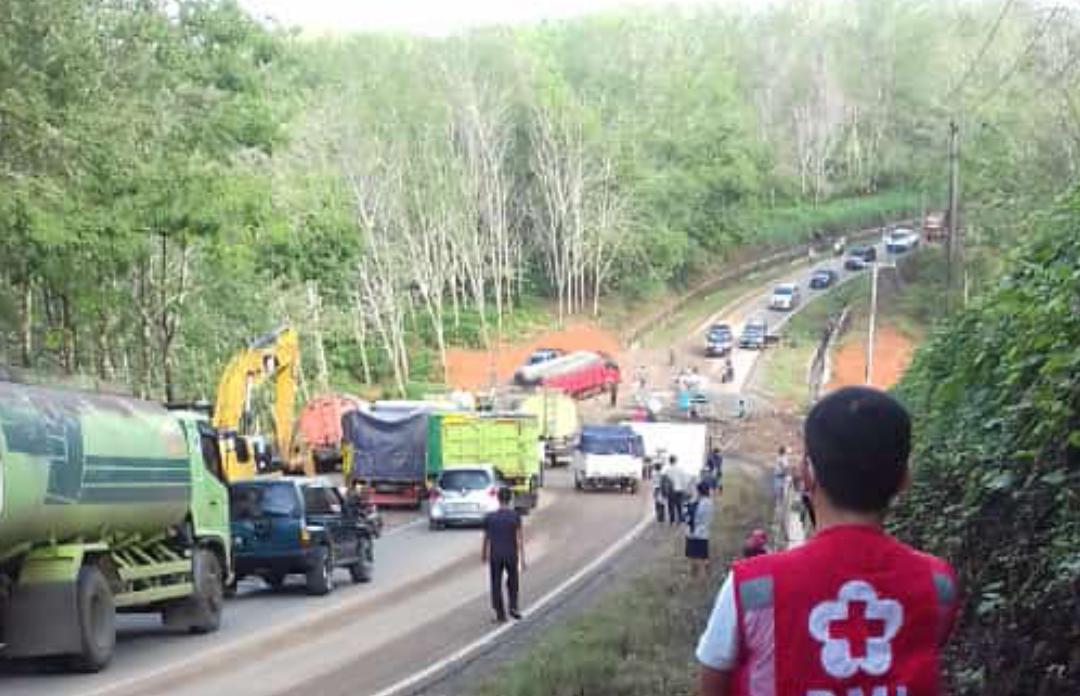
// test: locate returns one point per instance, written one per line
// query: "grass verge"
(782, 372)
(640, 640)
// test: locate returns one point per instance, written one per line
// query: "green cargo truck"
(510, 444)
(107, 504)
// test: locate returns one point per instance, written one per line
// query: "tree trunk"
(26, 332)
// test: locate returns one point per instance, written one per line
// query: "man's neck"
(829, 516)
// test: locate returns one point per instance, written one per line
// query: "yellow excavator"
(274, 357)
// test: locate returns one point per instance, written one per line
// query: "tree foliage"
(176, 178)
(996, 398)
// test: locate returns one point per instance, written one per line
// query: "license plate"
(463, 507)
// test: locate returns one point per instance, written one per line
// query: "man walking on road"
(670, 480)
(853, 610)
(503, 550)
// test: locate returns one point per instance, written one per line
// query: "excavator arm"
(275, 357)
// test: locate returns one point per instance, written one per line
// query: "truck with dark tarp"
(386, 452)
(107, 504)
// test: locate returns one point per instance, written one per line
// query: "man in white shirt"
(697, 534)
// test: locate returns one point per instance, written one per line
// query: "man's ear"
(905, 482)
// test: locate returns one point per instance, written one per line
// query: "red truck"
(580, 374)
(319, 428)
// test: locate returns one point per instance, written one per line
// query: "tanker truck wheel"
(97, 620)
(209, 595)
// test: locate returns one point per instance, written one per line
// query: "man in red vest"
(853, 612)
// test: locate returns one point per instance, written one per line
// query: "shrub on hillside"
(996, 399)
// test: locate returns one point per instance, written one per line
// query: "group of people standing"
(680, 498)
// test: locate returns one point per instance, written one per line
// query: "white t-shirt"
(718, 646)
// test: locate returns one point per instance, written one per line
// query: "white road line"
(402, 527)
(490, 637)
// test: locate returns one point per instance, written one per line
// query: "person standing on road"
(780, 474)
(699, 519)
(853, 610)
(658, 496)
(715, 462)
(503, 551)
(669, 489)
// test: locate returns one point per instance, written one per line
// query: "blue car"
(287, 526)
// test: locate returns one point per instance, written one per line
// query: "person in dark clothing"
(504, 551)
(715, 463)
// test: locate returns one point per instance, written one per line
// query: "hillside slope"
(996, 398)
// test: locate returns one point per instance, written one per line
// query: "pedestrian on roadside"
(699, 519)
(503, 551)
(715, 462)
(672, 496)
(852, 610)
(659, 499)
(780, 474)
(756, 544)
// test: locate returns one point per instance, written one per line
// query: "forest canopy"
(177, 177)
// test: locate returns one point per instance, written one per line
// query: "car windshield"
(263, 500)
(464, 480)
(720, 329)
(784, 290)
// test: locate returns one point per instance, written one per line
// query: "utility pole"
(954, 208)
(874, 270)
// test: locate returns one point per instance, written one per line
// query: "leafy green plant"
(996, 400)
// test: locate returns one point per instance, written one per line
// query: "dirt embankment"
(475, 369)
(892, 354)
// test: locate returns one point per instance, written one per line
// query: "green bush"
(996, 400)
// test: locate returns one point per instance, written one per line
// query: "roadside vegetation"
(995, 394)
(640, 639)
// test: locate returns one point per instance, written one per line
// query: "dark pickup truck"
(304, 526)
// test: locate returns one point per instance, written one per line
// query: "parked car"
(542, 355)
(754, 334)
(822, 278)
(719, 340)
(901, 240)
(785, 297)
(463, 495)
(299, 525)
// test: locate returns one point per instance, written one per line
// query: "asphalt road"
(428, 598)
(755, 304)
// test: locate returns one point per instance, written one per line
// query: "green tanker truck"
(107, 504)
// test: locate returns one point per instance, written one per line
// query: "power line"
(982, 51)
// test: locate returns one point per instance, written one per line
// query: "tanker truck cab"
(107, 505)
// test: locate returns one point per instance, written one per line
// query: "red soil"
(892, 353)
(471, 369)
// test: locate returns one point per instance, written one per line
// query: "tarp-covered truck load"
(509, 443)
(318, 428)
(687, 442)
(106, 503)
(580, 374)
(559, 422)
(387, 452)
(608, 456)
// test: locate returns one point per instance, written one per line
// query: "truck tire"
(201, 611)
(97, 620)
(320, 576)
(361, 570)
(209, 597)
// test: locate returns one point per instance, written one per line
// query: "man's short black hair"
(505, 495)
(858, 440)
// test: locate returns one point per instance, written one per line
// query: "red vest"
(853, 612)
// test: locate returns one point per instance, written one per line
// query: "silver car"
(463, 495)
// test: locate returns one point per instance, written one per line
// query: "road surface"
(428, 598)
